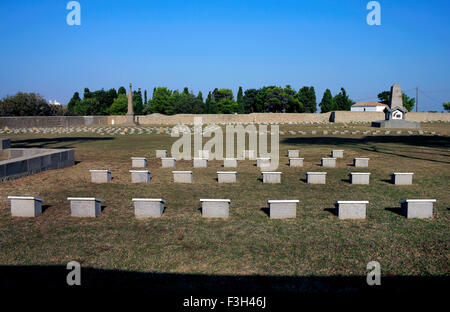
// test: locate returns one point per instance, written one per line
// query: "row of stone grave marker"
(22, 206)
(168, 130)
(142, 176)
(148, 128)
(202, 161)
(139, 176)
(167, 162)
(246, 154)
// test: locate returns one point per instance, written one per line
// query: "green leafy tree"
(313, 100)
(87, 94)
(292, 103)
(173, 102)
(122, 90)
(327, 104)
(186, 103)
(200, 101)
(261, 99)
(73, 102)
(384, 97)
(227, 106)
(240, 101)
(59, 110)
(342, 101)
(25, 104)
(272, 99)
(208, 103)
(222, 94)
(145, 97)
(160, 100)
(280, 100)
(408, 103)
(213, 108)
(222, 102)
(447, 106)
(87, 107)
(200, 96)
(147, 109)
(273, 104)
(104, 100)
(197, 103)
(250, 101)
(120, 105)
(138, 105)
(307, 96)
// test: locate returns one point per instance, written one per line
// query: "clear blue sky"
(204, 44)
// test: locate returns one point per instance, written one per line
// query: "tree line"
(268, 99)
(29, 104)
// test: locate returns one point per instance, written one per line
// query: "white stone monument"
(395, 113)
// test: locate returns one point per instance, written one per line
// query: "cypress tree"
(87, 94)
(208, 103)
(327, 103)
(137, 102)
(200, 96)
(240, 101)
(312, 100)
(342, 101)
(73, 102)
(121, 90)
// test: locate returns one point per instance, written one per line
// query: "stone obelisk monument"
(395, 113)
(129, 118)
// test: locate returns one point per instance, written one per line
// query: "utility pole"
(417, 98)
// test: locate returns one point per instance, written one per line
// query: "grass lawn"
(181, 243)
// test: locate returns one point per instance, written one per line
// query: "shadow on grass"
(333, 211)
(347, 181)
(67, 142)
(40, 277)
(396, 210)
(388, 181)
(266, 210)
(304, 180)
(440, 142)
(427, 141)
(45, 207)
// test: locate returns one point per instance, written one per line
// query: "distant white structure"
(368, 107)
(54, 102)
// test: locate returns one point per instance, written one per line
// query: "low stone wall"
(51, 121)
(425, 117)
(339, 116)
(76, 121)
(342, 117)
(233, 118)
(345, 117)
(23, 162)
